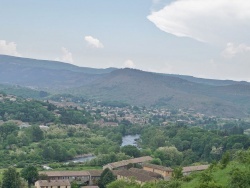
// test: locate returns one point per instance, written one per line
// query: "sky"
(202, 38)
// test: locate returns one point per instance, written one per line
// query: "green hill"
(235, 175)
(144, 88)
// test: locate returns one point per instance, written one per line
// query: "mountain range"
(225, 98)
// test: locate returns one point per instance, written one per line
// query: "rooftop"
(194, 168)
(53, 182)
(144, 172)
(65, 173)
(137, 176)
(163, 168)
(133, 161)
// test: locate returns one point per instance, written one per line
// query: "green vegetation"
(30, 174)
(181, 145)
(11, 178)
(106, 178)
(72, 131)
(23, 91)
(234, 175)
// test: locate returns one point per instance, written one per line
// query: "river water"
(130, 140)
(82, 159)
(126, 140)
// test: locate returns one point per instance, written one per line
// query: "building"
(188, 169)
(147, 173)
(124, 164)
(94, 176)
(130, 175)
(80, 176)
(165, 172)
(52, 184)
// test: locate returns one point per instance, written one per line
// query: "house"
(188, 169)
(148, 173)
(94, 176)
(130, 175)
(165, 172)
(90, 177)
(124, 164)
(52, 184)
(81, 176)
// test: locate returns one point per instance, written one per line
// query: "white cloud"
(93, 42)
(129, 64)
(205, 20)
(8, 48)
(232, 50)
(66, 56)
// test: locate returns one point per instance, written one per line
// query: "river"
(130, 140)
(82, 159)
(126, 140)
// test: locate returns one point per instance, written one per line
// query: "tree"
(163, 184)
(156, 161)
(106, 178)
(30, 174)
(177, 173)
(43, 177)
(169, 155)
(225, 160)
(35, 133)
(74, 184)
(206, 180)
(130, 150)
(123, 184)
(11, 178)
(239, 178)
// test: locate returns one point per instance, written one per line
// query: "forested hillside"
(223, 98)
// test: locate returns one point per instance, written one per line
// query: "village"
(139, 170)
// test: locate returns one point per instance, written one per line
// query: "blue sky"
(201, 38)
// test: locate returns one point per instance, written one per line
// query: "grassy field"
(221, 176)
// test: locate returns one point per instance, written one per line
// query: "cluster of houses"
(124, 170)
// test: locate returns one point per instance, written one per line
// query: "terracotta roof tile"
(137, 176)
(65, 173)
(133, 161)
(53, 182)
(164, 168)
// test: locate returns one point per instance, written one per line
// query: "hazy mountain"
(22, 91)
(6, 61)
(205, 81)
(212, 97)
(46, 74)
(145, 88)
